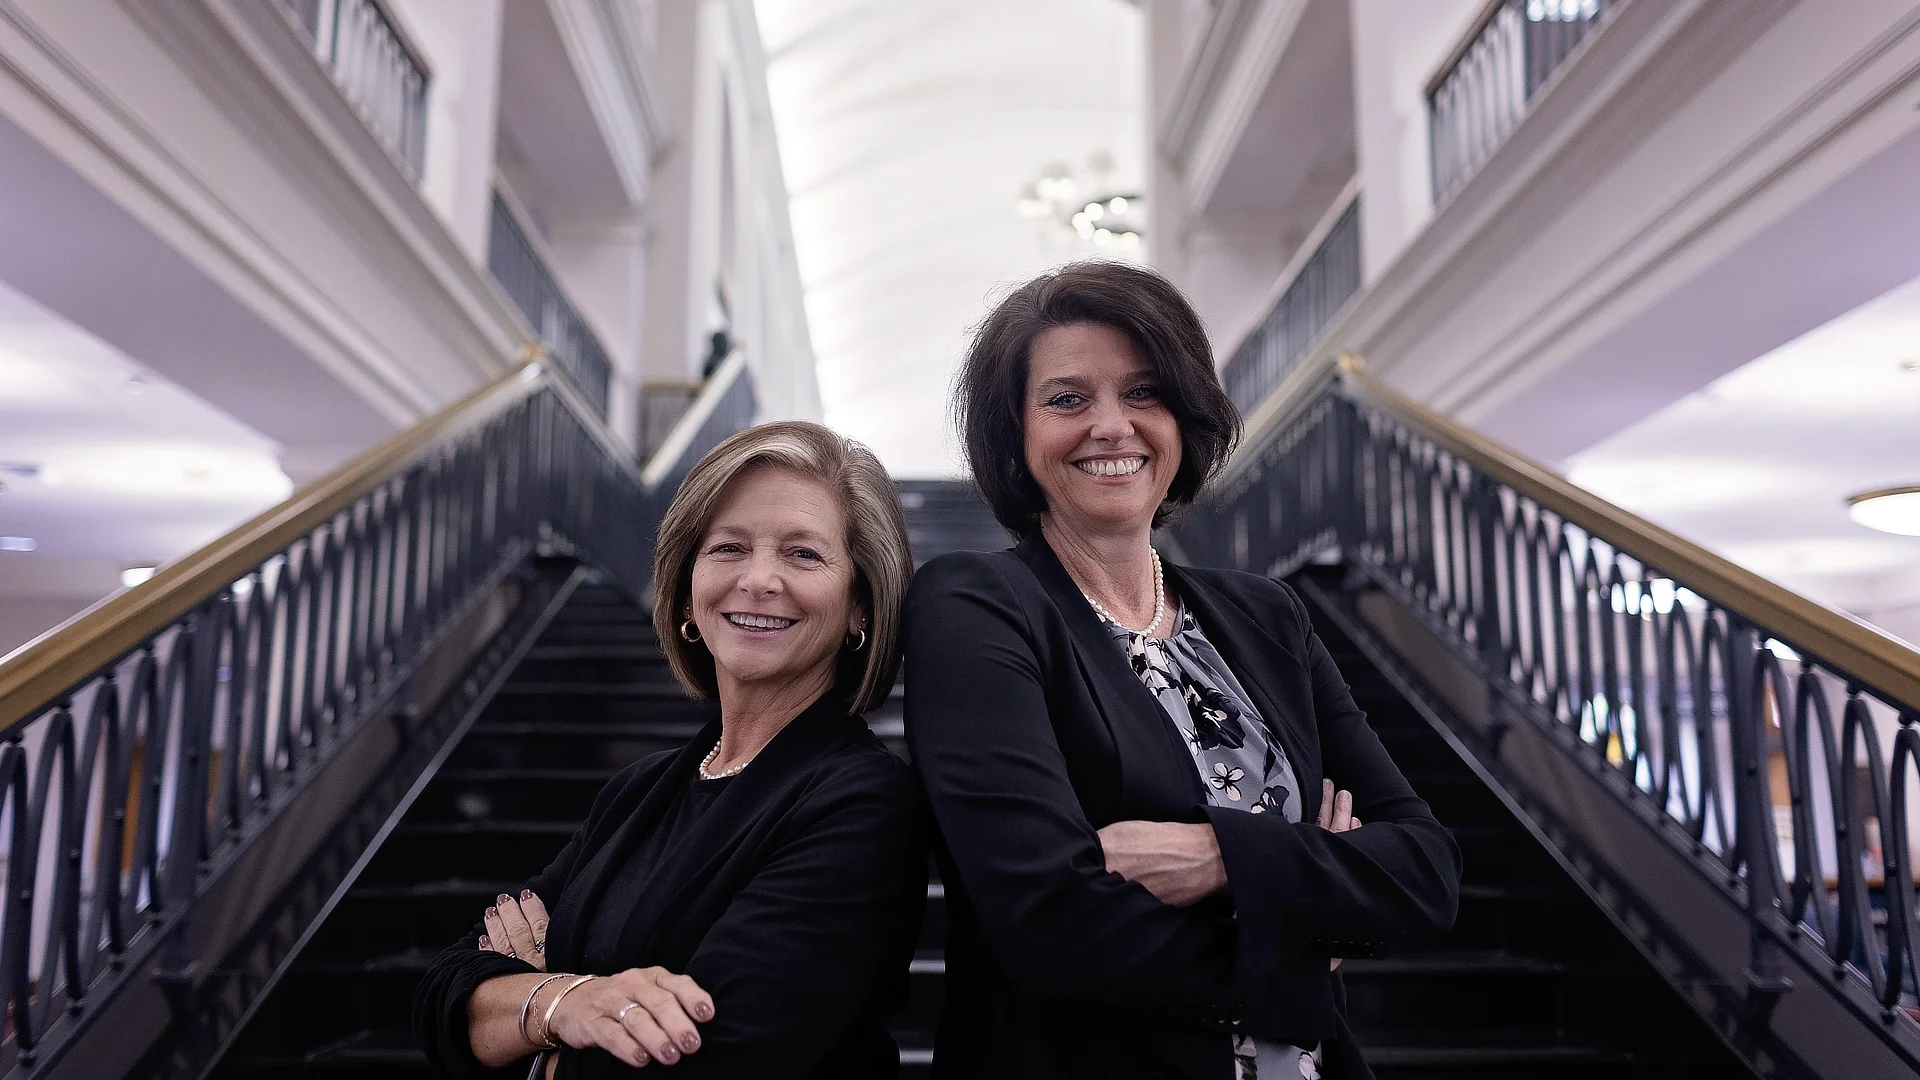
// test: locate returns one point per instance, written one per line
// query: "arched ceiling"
(908, 131)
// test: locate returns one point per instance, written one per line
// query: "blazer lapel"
(1260, 661)
(1158, 781)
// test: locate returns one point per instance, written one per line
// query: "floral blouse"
(1239, 761)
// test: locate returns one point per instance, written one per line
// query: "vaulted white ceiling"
(908, 132)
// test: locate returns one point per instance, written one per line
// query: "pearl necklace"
(1159, 602)
(707, 762)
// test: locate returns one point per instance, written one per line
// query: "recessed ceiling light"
(18, 543)
(135, 575)
(1894, 510)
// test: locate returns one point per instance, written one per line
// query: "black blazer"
(1030, 731)
(795, 901)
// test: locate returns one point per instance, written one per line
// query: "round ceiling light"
(1893, 510)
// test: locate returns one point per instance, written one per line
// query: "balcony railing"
(1326, 281)
(527, 280)
(375, 67)
(1480, 96)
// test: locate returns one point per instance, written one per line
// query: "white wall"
(1397, 49)
(462, 46)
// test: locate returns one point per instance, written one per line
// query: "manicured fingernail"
(505, 899)
(526, 894)
(703, 1011)
(493, 913)
(484, 943)
(691, 1042)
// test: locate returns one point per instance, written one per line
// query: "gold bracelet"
(528, 1007)
(546, 1022)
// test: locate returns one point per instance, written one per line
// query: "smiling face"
(1100, 442)
(773, 583)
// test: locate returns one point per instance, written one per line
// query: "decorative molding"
(613, 60)
(1230, 72)
(1550, 161)
(255, 66)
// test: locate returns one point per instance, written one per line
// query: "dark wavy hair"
(989, 397)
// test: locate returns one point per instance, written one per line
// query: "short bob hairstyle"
(990, 397)
(876, 539)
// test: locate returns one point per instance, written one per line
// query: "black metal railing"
(1324, 284)
(1480, 96)
(135, 786)
(528, 281)
(1747, 729)
(725, 404)
(377, 70)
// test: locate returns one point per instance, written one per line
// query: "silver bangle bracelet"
(527, 1008)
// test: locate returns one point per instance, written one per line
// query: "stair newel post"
(178, 973)
(1767, 980)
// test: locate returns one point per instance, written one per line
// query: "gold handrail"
(61, 658)
(1859, 650)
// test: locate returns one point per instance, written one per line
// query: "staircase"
(593, 695)
(1533, 981)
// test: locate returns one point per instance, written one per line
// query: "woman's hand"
(1179, 864)
(638, 1015)
(518, 928)
(1336, 815)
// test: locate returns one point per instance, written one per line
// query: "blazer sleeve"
(1301, 890)
(440, 1001)
(815, 937)
(978, 724)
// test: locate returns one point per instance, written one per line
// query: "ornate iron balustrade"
(151, 744)
(516, 263)
(1714, 706)
(1325, 282)
(376, 68)
(1481, 94)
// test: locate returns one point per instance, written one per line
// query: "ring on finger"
(539, 944)
(621, 1016)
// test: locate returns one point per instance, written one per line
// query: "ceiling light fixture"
(1894, 510)
(18, 543)
(1084, 210)
(135, 575)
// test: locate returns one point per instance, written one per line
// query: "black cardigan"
(795, 901)
(1030, 732)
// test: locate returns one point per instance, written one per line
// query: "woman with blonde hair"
(746, 905)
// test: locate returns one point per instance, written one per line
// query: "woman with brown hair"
(1124, 755)
(744, 906)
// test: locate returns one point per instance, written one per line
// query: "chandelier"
(1085, 209)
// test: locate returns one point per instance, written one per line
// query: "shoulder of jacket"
(1264, 598)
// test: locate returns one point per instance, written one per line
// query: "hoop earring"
(862, 643)
(688, 635)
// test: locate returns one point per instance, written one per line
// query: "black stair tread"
(1455, 962)
(371, 1047)
(662, 729)
(479, 774)
(435, 889)
(665, 688)
(490, 826)
(609, 651)
(1458, 1056)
